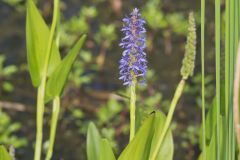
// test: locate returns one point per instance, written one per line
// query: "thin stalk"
(236, 40)
(217, 42)
(227, 58)
(39, 115)
(238, 19)
(55, 113)
(236, 97)
(231, 75)
(132, 110)
(203, 78)
(56, 104)
(41, 88)
(174, 101)
(227, 76)
(236, 24)
(52, 31)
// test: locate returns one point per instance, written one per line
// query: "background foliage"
(94, 92)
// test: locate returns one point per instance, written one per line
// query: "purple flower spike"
(133, 65)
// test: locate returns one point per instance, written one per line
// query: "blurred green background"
(93, 92)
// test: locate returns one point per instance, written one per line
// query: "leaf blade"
(4, 155)
(106, 150)
(37, 33)
(93, 142)
(59, 76)
(144, 142)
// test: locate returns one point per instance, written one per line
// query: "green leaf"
(93, 142)
(4, 154)
(59, 76)
(37, 33)
(167, 147)
(210, 123)
(106, 150)
(145, 140)
(210, 149)
(54, 60)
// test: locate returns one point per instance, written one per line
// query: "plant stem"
(52, 31)
(41, 88)
(236, 97)
(55, 113)
(175, 99)
(132, 110)
(39, 123)
(203, 77)
(227, 78)
(218, 69)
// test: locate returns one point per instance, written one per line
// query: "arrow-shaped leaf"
(37, 33)
(59, 76)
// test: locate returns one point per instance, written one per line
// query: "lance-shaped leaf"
(59, 76)
(145, 140)
(4, 154)
(98, 148)
(106, 150)
(93, 142)
(37, 34)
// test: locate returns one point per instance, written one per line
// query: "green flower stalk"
(132, 110)
(186, 71)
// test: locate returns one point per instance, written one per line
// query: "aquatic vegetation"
(8, 128)
(6, 72)
(150, 125)
(18, 4)
(218, 136)
(50, 78)
(154, 137)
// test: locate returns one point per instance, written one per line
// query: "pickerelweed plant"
(47, 70)
(153, 140)
(133, 65)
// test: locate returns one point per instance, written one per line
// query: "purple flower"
(133, 65)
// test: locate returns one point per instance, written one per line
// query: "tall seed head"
(188, 62)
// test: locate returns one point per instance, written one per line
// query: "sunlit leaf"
(210, 122)
(93, 142)
(37, 33)
(106, 151)
(59, 76)
(4, 154)
(210, 149)
(145, 140)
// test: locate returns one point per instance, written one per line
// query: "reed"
(222, 135)
(218, 69)
(203, 77)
